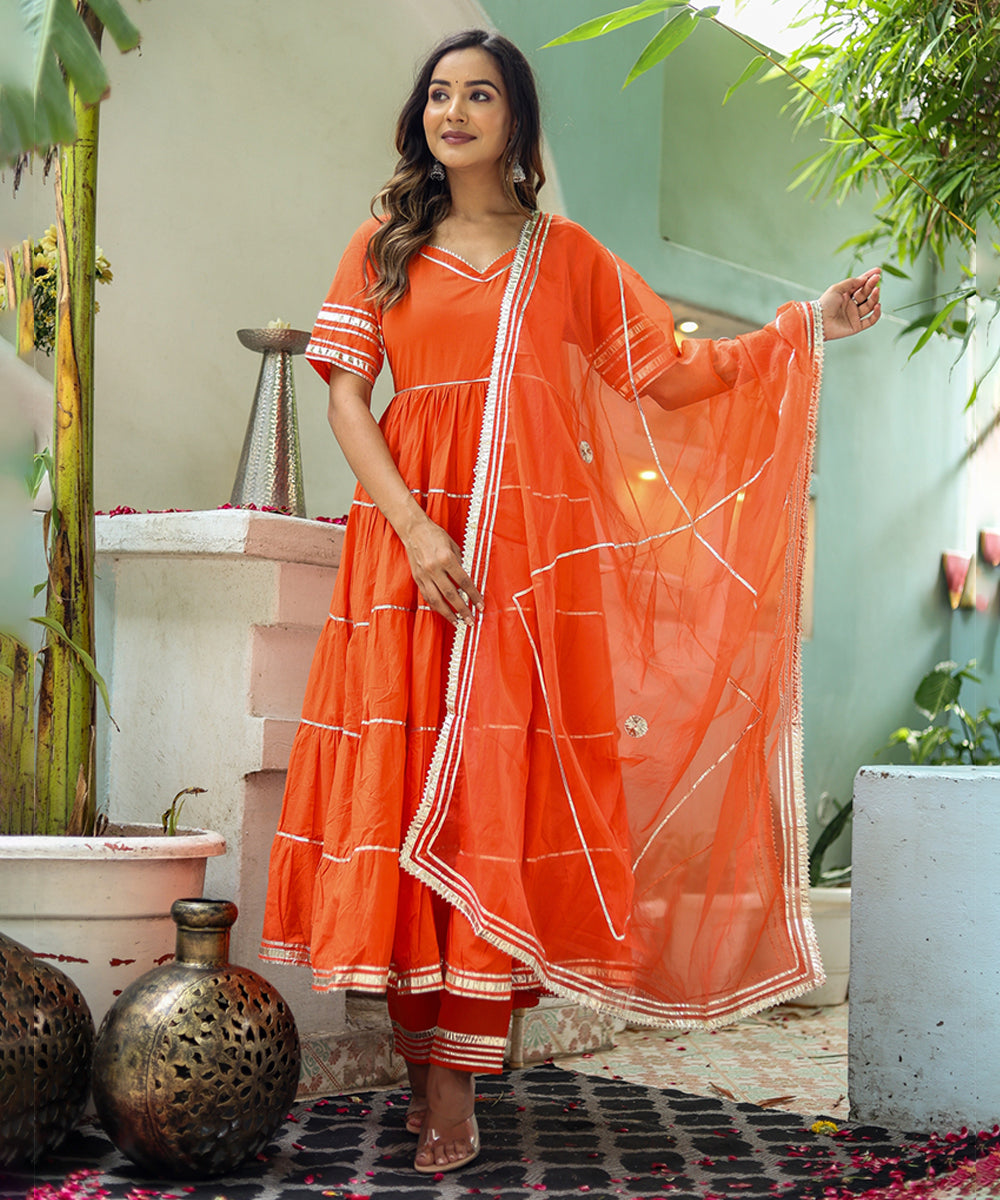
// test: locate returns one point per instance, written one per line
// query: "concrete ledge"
(227, 531)
(362, 1056)
(556, 1028)
(336, 1064)
(206, 631)
(924, 1032)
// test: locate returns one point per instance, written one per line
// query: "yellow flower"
(39, 262)
(824, 1127)
(48, 240)
(103, 268)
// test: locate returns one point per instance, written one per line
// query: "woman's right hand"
(436, 564)
(435, 560)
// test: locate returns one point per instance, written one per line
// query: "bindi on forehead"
(481, 67)
(469, 83)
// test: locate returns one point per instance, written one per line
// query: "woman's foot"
(415, 1113)
(446, 1147)
(450, 1136)
(417, 1108)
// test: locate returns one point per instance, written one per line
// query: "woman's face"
(467, 119)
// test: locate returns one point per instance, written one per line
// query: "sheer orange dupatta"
(637, 527)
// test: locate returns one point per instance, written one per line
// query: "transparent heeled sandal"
(429, 1136)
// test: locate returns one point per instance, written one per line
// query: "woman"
(550, 735)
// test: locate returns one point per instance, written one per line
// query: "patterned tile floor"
(791, 1058)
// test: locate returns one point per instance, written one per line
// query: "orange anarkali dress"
(602, 775)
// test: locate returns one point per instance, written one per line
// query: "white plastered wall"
(240, 148)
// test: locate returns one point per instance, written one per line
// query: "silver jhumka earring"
(437, 171)
(517, 174)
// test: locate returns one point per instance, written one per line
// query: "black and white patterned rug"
(543, 1130)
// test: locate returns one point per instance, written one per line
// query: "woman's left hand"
(851, 305)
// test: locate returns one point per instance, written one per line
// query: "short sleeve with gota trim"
(348, 331)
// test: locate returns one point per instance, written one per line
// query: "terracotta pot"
(99, 907)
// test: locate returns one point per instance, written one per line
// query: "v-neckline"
(489, 266)
(465, 261)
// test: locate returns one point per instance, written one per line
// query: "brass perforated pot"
(46, 1046)
(197, 1062)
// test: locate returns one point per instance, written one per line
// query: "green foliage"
(41, 467)
(909, 91)
(908, 94)
(830, 832)
(953, 735)
(679, 26)
(170, 818)
(41, 40)
(616, 20)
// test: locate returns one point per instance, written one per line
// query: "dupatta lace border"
(579, 985)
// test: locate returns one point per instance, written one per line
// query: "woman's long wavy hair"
(411, 204)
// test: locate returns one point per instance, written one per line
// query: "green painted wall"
(665, 160)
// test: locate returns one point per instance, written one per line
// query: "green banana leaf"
(39, 39)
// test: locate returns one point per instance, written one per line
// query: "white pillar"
(211, 622)
(924, 1041)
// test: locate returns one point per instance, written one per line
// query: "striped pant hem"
(457, 1051)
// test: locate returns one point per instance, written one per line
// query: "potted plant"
(830, 899)
(48, 810)
(953, 736)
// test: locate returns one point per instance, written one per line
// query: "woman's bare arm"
(435, 559)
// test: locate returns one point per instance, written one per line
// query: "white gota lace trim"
(480, 271)
(426, 387)
(465, 274)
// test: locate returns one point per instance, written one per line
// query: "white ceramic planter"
(99, 907)
(831, 911)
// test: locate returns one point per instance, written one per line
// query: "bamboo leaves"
(616, 20)
(919, 80)
(753, 67)
(908, 96)
(677, 30)
(935, 322)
